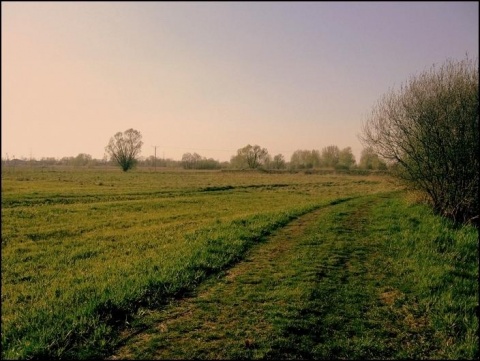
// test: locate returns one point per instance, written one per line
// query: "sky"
(212, 77)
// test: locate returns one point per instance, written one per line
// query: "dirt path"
(317, 288)
(227, 311)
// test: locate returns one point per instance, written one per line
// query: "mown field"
(92, 257)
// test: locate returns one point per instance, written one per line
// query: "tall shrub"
(430, 129)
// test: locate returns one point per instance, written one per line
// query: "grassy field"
(100, 263)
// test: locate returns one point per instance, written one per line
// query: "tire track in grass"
(227, 317)
(317, 288)
(350, 312)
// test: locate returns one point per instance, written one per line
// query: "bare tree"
(252, 156)
(430, 130)
(124, 148)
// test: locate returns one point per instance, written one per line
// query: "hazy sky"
(212, 77)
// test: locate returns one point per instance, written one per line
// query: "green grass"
(88, 254)
(383, 289)
(350, 280)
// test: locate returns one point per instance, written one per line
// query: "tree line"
(124, 148)
(248, 157)
(253, 157)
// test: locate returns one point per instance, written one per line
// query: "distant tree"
(278, 162)
(189, 160)
(208, 163)
(150, 161)
(305, 159)
(124, 148)
(346, 159)
(429, 130)
(82, 159)
(330, 156)
(370, 160)
(67, 161)
(48, 161)
(238, 162)
(196, 161)
(251, 157)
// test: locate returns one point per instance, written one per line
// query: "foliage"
(250, 156)
(430, 129)
(82, 159)
(305, 159)
(125, 148)
(370, 160)
(190, 161)
(346, 158)
(278, 162)
(196, 161)
(330, 156)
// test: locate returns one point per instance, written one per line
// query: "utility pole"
(155, 162)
